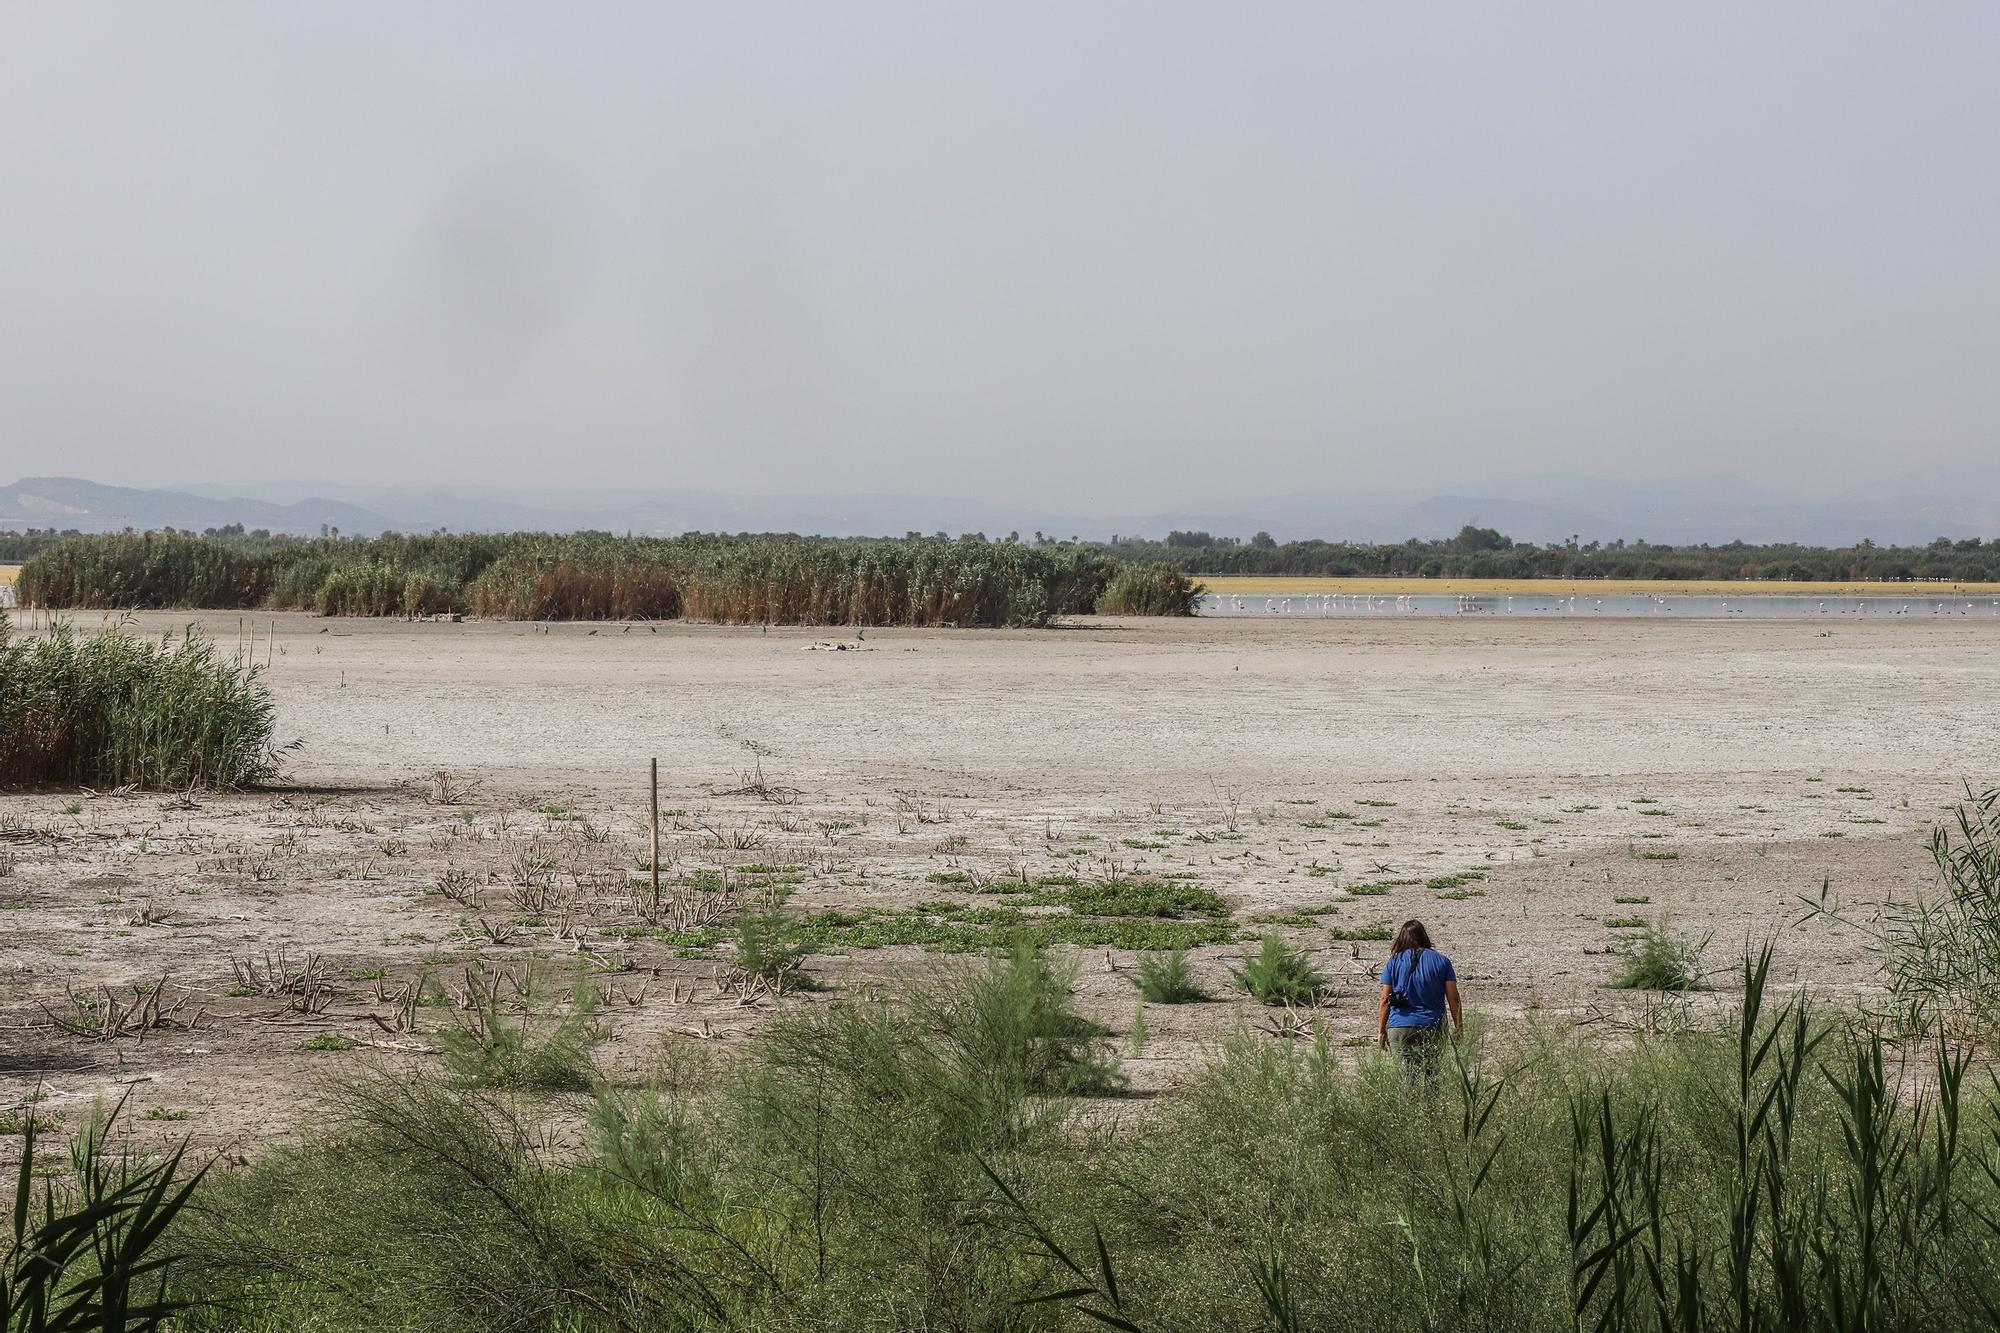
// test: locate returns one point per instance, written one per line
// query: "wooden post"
(656, 835)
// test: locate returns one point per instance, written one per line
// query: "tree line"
(1482, 553)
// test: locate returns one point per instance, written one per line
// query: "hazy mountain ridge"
(1540, 509)
(67, 502)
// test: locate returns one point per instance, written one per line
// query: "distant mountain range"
(65, 502)
(1542, 509)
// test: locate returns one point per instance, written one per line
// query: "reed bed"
(731, 580)
(561, 584)
(924, 581)
(111, 710)
(145, 570)
(1150, 590)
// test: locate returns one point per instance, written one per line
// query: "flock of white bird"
(1328, 604)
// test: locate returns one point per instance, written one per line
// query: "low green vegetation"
(1055, 909)
(329, 1041)
(1140, 898)
(933, 1163)
(950, 928)
(111, 709)
(17, 1122)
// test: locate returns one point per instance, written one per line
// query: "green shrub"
(1016, 1027)
(1169, 979)
(771, 948)
(1661, 960)
(1280, 974)
(108, 709)
(532, 1053)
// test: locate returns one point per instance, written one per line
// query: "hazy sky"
(1079, 255)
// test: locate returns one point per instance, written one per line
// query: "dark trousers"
(1420, 1049)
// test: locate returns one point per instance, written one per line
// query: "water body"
(1765, 606)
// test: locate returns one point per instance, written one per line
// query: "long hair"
(1411, 936)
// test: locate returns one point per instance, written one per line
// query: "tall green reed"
(111, 709)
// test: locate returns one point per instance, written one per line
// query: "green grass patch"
(329, 1041)
(1154, 898)
(844, 931)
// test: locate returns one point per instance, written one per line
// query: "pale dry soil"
(1721, 772)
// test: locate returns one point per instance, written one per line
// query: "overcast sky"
(1078, 255)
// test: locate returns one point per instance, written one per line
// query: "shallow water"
(1763, 605)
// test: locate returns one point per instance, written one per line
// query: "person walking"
(1418, 989)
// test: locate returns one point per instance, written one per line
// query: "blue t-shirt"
(1419, 975)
